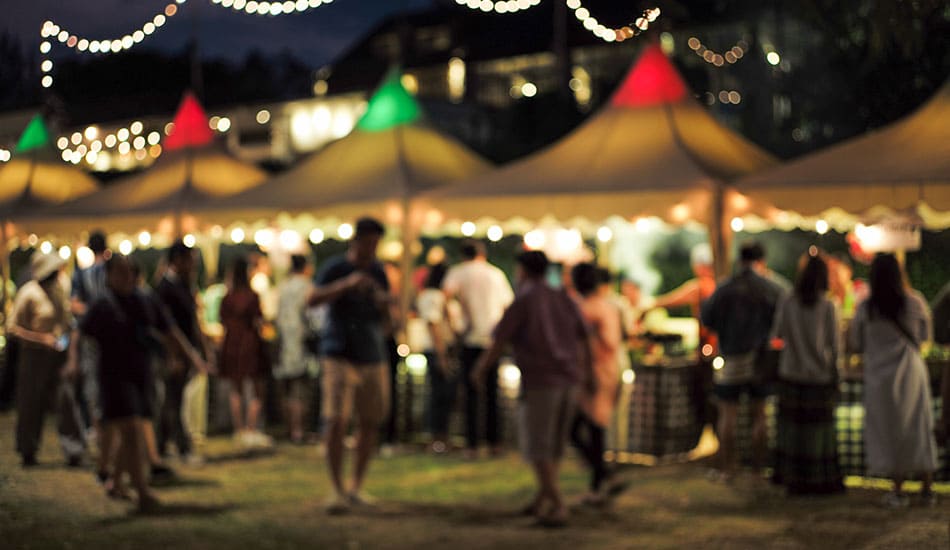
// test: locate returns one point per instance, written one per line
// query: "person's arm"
(330, 292)
(709, 312)
(488, 358)
(833, 339)
(22, 309)
(504, 333)
(687, 294)
(188, 350)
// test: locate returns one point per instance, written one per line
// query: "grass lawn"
(275, 501)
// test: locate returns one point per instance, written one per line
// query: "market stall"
(651, 151)
(901, 168)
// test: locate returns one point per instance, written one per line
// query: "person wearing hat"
(42, 322)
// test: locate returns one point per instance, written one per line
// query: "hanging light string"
(730, 56)
(608, 34)
(252, 7)
(500, 6)
(52, 33)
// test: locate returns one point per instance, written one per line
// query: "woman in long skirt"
(898, 421)
(806, 457)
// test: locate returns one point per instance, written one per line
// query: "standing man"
(355, 368)
(176, 293)
(552, 349)
(741, 311)
(88, 285)
(483, 292)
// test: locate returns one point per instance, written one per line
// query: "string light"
(730, 56)
(252, 7)
(500, 6)
(608, 34)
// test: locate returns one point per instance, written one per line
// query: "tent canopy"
(389, 157)
(36, 177)
(651, 151)
(898, 166)
(177, 182)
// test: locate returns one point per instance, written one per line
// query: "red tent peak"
(190, 125)
(652, 81)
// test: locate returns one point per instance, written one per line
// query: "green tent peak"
(392, 105)
(35, 136)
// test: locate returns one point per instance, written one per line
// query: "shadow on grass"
(238, 456)
(170, 510)
(181, 482)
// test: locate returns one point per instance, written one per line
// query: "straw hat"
(43, 265)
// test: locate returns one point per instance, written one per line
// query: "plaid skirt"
(806, 447)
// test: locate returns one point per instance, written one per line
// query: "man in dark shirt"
(740, 312)
(550, 340)
(177, 295)
(354, 355)
(126, 331)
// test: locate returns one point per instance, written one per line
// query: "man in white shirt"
(484, 293)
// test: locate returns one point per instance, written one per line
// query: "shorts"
(738, 375)
(545, 416)
(730, 393)
(350, 386)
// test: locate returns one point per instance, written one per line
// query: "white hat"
(701, 255)
(43, 265)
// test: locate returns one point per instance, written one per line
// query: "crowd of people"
(115, 356)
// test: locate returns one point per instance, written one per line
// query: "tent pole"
(405, 261)
(720, 237)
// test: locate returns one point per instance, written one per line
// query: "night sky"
(315, 36)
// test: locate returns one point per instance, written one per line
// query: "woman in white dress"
(889, 328)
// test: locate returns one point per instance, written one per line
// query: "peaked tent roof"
(35, 136)
(36, 177)
(190, 125)
(390, 156)
(651, 151)
(897, 166)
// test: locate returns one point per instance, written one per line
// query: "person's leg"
(371, 402)
(550, 487)
(133, 455)
(468, 357)
(337, 404)
(597, 454)
(35, 381)
(492, 428)
(69, 424)
(182, 438)
(295, 408)
(582, 439)
(235, 402)
(728, 413)
(760, 433)
(256, 403)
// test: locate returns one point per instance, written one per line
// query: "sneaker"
(337, 505)
(362, 499)
(260, 440)
(29, 461)
(74, 461)
(148, 504)
(102, 477)
(193, 460)
(895, 501)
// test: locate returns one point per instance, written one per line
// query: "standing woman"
(889, 328)
(596, 408)
(441, 372)
(806, 455)
(242, 354)
(41, 321)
